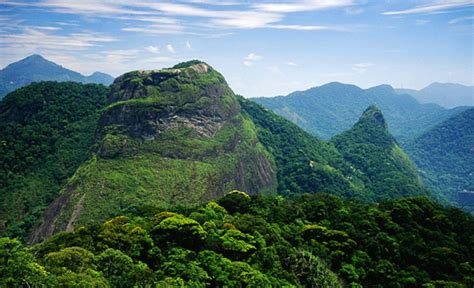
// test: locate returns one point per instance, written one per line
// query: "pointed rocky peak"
(373, 115)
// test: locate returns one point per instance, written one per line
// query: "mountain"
(333, 108)
(370, 148)
(35, 68)
(46, 129)
(448, 95)
(165, 137)
(445, 155)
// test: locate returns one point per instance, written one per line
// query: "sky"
(263, 48)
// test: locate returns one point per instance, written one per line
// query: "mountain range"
(35, 68)
(332, 108)
(448, 95)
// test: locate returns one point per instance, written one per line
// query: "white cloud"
(251, 58)
(291, 63)
(46, 39)
(263, 15)
(157, 29)
(298, 27)
(153, 49)
(361, 68)
(461, 19)
(299, 6)
(170, 48)
(188, 45)
(433, 7)
(421, 22)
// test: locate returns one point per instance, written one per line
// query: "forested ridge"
(241, 241)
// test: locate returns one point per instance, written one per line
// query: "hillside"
(46, 131)
(35, 68)
(370, 148)
(242, 241)
(448, 95)
(445, 155)
(333, 108)
(166, 137)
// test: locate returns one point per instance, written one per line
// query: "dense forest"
(444, 155)
(46, 130)
(242, 241)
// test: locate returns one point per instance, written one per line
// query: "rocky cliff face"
(172, 136)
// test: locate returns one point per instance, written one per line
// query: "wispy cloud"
(248, 16)
(361, 68)
(153, 49)
(291, 63)
(170, 48)
(421, 22)
(300, 6)
(461, 19)
(188, 45)
(251, 58)
(40, 38)
(433, 7)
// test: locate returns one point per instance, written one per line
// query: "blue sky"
(263, 48)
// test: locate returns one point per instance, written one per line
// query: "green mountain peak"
(374, 115)
(374, 152)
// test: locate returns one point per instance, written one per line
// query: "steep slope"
(445, 155)
(35, 68)
(46, 130)
(372, 150)
(333, 108)
(448, 95)
(173, 136)
(305, 164)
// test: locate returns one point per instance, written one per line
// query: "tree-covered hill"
(445, 155)
(369, 147)
(46, 131)
(242, 241)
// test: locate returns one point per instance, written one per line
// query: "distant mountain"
(333, 108)
(386, 169)
(445, 155)
(448, 95)
(35, 68)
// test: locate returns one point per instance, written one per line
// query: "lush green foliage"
(258, 242)
(386, 170)
(46, 132)
(445, 156)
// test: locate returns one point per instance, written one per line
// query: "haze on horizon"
(263, 48)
